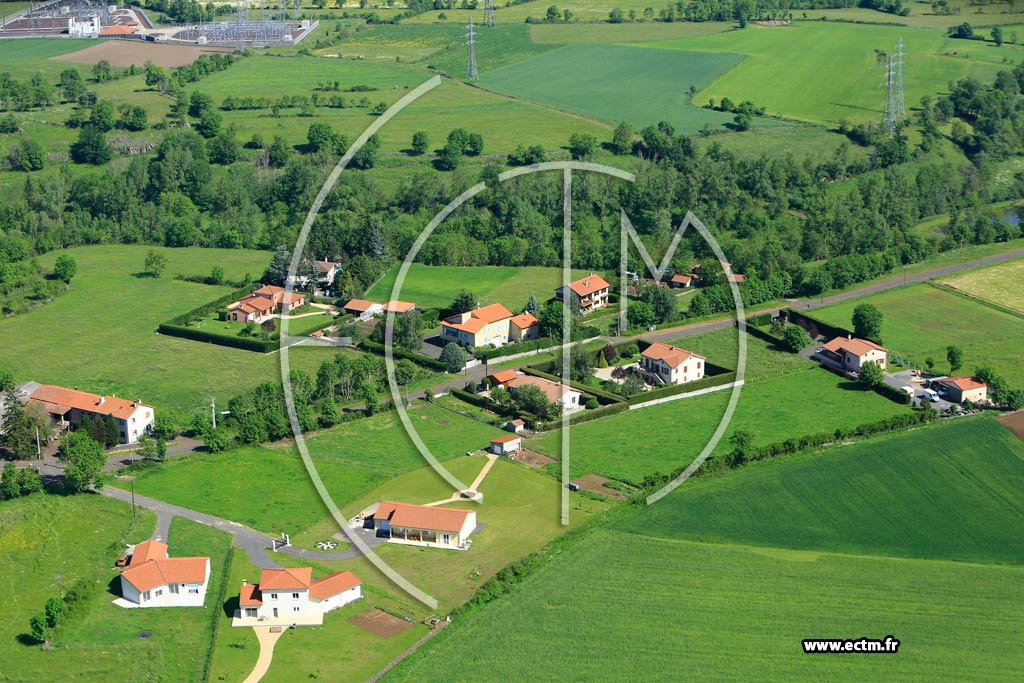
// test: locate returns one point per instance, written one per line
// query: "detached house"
(291, 596)
(567, 398)
(68, 406)
(960, 389)
(433, 527)
(523, 327)
(588, 294)
(664, 364)
(851, 353)
(152, 579)
(487, 325)
(263, 303)
(682, 281)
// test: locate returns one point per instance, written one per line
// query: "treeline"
(743, 11)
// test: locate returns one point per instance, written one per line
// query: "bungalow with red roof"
(502, 378)
(523, 327)
(263, 303)
(586, 294)
(291, 596)
(562, 395)
(68, 406)
(152, 579)
(682, 281)
(960, 389)
(851, 353)
(487, 325)
(504, 445)
(432, 527)
(664, 364)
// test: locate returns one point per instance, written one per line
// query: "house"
(502, 378)
(398, 307)
(960, 389)
(67, 407)
(264, 303)
(285, 301)
(682, 281)
(152, 579)
(505, 445)
(487, 325)
(587, 294)
(523, 327)
(432, 527)
(664, 364)
(738, 278)
(363, 309)
(559, 394)
(515, 426)
(851, 353)
(291, 596)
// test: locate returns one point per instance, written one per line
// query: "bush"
(418, 358)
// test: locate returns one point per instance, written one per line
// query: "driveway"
(906, 378)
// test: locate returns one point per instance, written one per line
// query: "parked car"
(572, 486)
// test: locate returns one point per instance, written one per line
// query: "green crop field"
(639, 85)
(583, 11)
(437, 286)
(828, 72)
(921, 321)
(889, 496)
(351, 458)
(112, 316)
(1002, 284)
(806, 401)
(619, 34)
(28, 56)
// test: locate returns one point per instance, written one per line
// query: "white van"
(930, 394)
(909, 391)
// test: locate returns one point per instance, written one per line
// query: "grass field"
(352, 459)
(26, 57)
(828, 72)
(437, 286)
(739, 611)
(113, 316)
(1002, 284)
(619, 34)
(921, 321)
(639, 85)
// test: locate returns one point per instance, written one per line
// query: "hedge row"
(196, 334)
(585, 416)
(418, 358)
(207, 280)
(481, 402)
(761, 334)
(805, 321)
(707, 381)
(894, 394)
(519, 347)
(211, 307)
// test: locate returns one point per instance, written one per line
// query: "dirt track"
(128, 52)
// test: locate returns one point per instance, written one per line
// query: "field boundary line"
(690, 394)
(974, 297)
(596, 122)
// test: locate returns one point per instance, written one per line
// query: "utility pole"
(471, 72)
(39, 449)
(489, 13)
(133, 499)
(900, 110)
(213, 411)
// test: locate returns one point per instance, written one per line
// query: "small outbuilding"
(506, 445)
(960, 389)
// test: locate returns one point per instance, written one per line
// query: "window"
(193, 591)
(295, 596)
(145, 596)
(173, 588)
(295, 609)
(273, 596)
(159, 593)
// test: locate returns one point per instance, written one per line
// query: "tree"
(662, 302)
(199, 103)
(450, 157)
(216, 440)
(156, 77)
(460, 138)
(9, 482)
(134, 119)
(102, 116)
(551, 320)
(582, 146)
(277, 153)
(329, 413)
(742, 443)
(475, 145)
(531, 305)
(622, 138)
(27, 155)
(531, 399)
(454, 356)
(155, 263)
(224, 148)
(409, 331)
(464, 301)
(39, 628)
(420, 142)
(29, 481)
(633, 384)
(366, 157)
(554, 15)
(743, 121)
(871, 375)
(91, 147)
(65, 267)
(216, 275)
(9, 124)
(85, 460)
(6, 382)
(71, 85)
(867, 322)
(955, 356)
(209, 123)
(929, 363)
(616, 16)
(640, 314)
(997, 36)
(320, 136)
(795, 338)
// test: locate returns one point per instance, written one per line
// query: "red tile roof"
(553, 391)
(258, 304)
(335, 583)
(398, 306)
(61, 398)
(671, 355)
(269, 290)
(503, 376)
(117, 31)
(250, 596)
(682, 279)
(422, 517)
(856, 346)
(151, 568)
(588, 285)
(964, 383)
(360, 305)
(285, 579)
(506, 439)
(146, 551)
(736, 277)
(476, 320)
(291, 297)
(524, 321)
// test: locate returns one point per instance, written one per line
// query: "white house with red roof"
(505, 445)
(681, 281)
(152, 579)
(852, 353)
(423, 525)
(291, 596)
(587, 294)
(67, 407)
(562, 395)
(664, 364)
(487, 325)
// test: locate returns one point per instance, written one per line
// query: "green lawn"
(352, 459)
(639, 85)
(25, 57)
(921, 321)
(112, 317)
(1002, 284)
(619, 34)
(828, 72)
(437, 286)
(764, 361)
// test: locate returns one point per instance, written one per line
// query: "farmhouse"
(587, 294)
(504, 445)
(560, 394)
(263, 303)
(682, 281)
(960, 389)
(664, 364)
(152, 579)
(852, 353)
(433, 527)
(523, 327)
(291, 596)
(67, 407)
(487, 325)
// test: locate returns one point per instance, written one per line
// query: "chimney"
(103, 399)
(849, 336)
(245, 582)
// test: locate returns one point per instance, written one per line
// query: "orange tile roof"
(361, 305)
(289, 297)
(117, 31)
(422, 517)
(673, 357)
(506, 439)
(588, 285)
(162, 571)
(316, 333)
(148, 550)
(475, 320)
(503, 376)
(61, 397)
(736, 277)
(964, 383)
(518, 423)
(285, 579)
(250, 596)
(335, 583)
(553, 391)
(258, 304)
(856, 346)
(684, 279)
(272, 290)
(524, 321)
(398, 306)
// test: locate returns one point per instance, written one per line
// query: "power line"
(471, 72)
(894, 106)
(900, 110)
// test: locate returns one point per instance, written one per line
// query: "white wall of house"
(169, 595)
(507, 447)
(855, 363)
(341, 599)
(289, 603)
